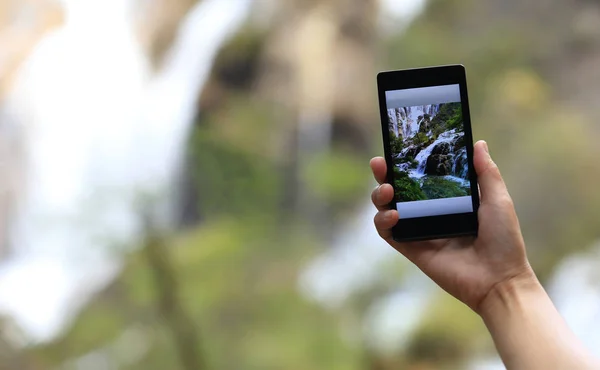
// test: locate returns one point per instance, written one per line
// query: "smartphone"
(428, 146)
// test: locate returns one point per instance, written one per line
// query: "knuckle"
(492, 170)
(375, 195)
(378, 219)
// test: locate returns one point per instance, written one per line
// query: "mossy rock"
(439, 165)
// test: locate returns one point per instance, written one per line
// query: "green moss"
(439, 188)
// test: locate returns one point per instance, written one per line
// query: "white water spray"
(101, 131)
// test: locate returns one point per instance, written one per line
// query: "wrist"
(510, 295)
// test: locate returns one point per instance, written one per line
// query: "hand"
(468, 268)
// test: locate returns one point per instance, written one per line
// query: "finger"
(379, 169)
(382, 196)
(384, 222)
(491, 185)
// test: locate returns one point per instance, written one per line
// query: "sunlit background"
(185, 184)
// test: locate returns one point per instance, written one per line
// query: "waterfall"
(459, 168)
(448, 137)
(409, 119)
(101, 133)
(393, 115)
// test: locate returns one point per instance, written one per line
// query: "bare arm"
(528, 331)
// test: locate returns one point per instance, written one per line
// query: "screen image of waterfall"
(429, 151)
(424, 152)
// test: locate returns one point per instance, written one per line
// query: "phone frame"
(430, 227)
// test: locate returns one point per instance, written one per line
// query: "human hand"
(468, 268)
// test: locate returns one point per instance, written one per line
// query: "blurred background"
(185, 183)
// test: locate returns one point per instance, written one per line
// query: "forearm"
(528, 331)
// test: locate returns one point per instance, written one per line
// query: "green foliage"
(335, 176)
(225, 177)
(456, 119)
(408, 159)
(232, 172)
(439, 188)
(449, 117)
(396, 144)
(237, 280)
(421, 139)
(407, 189)
(437, 131)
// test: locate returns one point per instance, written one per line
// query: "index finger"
(379, 169)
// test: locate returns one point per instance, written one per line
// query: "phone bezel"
(432, 227)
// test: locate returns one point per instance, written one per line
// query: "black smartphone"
(428, 145)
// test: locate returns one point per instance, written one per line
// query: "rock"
(412, 151)
(441, 148)
(425, 123)
(459, 143)
(438, 165)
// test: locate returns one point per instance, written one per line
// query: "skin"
(491, 274)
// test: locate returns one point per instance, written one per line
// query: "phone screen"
(429, 151)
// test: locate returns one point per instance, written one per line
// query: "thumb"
(490, 180)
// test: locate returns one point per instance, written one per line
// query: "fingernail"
(485, 146)
(389, 215)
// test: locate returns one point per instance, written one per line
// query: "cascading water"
(459, 168)
(101, 134)
(409, 119)
(392, 113)
(448, 137)
(407, 122)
